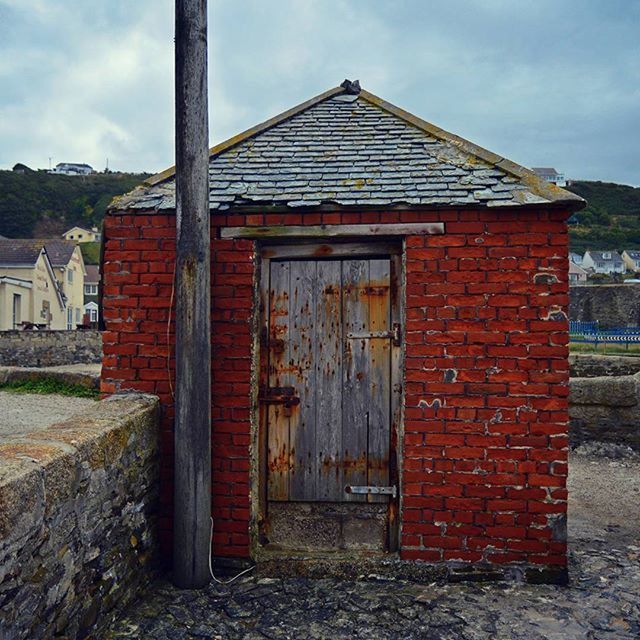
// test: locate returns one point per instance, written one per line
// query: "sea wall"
(78, 520)
(49, 348)
(613, 305)
(605, 409)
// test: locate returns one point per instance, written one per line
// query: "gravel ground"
(24, 412)
(601, 603)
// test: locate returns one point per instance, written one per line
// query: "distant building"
(603, 262)
(550, 175)
(68, 265)
(576, 258)
(91, 284)
(30, 294)
(577, 275)
(72, 169)
(21, 168)
(80, 235)
(631, 260)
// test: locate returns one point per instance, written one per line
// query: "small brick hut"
(389, 337)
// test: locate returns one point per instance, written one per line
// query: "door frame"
(314, 248)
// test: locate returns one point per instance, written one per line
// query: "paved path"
(24, 412)
(602, 602)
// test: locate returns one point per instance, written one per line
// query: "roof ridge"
(537, 185)
(252, 131)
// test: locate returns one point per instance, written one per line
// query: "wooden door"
(330, 334)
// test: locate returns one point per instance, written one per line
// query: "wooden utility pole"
(192, 439)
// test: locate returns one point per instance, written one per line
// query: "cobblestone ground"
(602, 601)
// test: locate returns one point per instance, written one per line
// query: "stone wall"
(605, 409)
(587, 365)
(613, 305)
(49, 348)
(78, 516)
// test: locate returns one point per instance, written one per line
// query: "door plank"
(278, 449)
(379, 392)
(330, 483)
(355, 412)
(302, 348)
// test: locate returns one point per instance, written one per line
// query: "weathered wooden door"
(332, 329)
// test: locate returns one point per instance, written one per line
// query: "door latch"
(280, 395)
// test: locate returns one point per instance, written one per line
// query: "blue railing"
(575, 326)
(591, 332)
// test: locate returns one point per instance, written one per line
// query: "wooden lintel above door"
(334, 230)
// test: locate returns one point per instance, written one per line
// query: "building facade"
(389, 338)
(631, 260)
(603, 262)
(80, 235)
(30, 295)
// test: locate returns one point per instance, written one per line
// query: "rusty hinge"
(362, 489)
(395, 335)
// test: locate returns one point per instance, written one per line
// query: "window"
(69, 318)
(93, 314)
(78, 319)
(79, 236)
(70, 276)
(17, 310)
(91, 289)
(606, 255)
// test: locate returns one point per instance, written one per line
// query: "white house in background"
(91, 310)
(576, 258)
(603, 262)
(80, 235)
(577, 275)
(72, 169)
(631, 260)
(550, 175)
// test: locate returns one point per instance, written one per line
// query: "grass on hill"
(611, 220)
(90, 252)
(41, 204)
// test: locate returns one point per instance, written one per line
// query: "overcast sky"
(542, 82)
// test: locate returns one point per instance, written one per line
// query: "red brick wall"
(485, 445)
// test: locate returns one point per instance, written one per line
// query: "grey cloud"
(543, 83)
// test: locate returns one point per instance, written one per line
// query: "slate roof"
(346, 149)
(92, 274)
(634, 255)
(599, 256)
(23, 253)
(59, 251)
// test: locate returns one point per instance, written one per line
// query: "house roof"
(544, 170)
(80, 228)
(599, 255)
(92, 274)
(59, 251)
(20, 253)
(349, 147)
(634, 255)
(74, 164)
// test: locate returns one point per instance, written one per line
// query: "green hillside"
(40, 204)
(611, 219)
